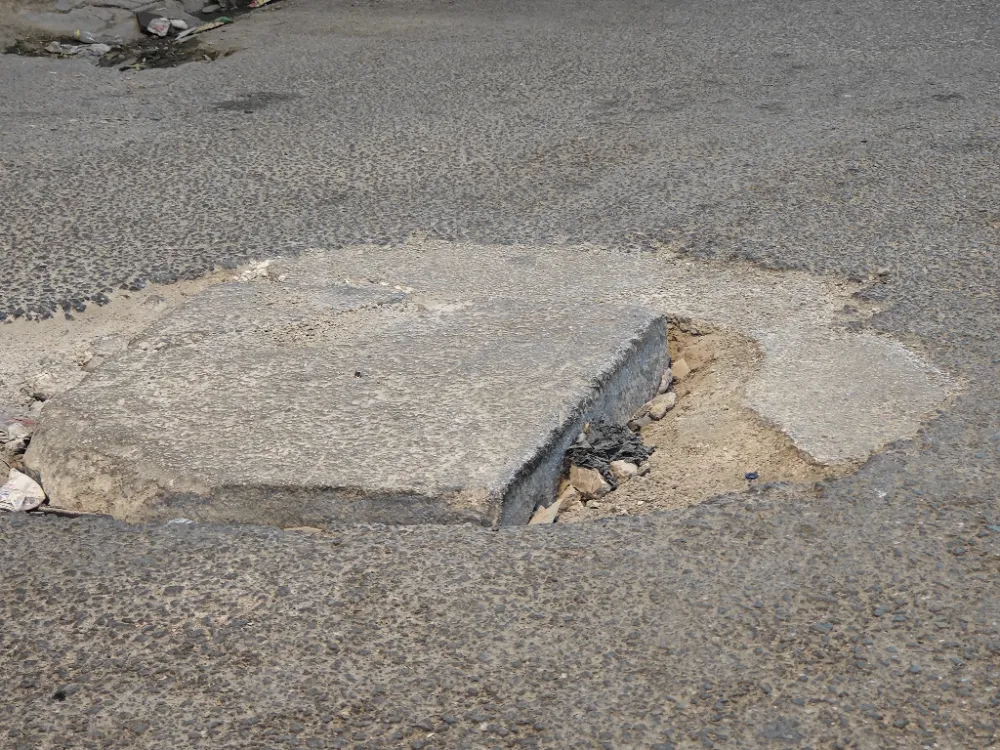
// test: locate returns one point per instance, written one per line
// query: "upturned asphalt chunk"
(310, 402)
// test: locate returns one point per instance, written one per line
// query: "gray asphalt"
(838, 138)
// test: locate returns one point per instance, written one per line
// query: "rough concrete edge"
(615, 395)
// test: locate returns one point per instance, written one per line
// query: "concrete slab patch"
(785, 380)
(315, 401)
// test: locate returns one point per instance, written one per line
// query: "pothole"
(781, 345)
(708, 443)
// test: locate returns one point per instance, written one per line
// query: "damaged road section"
(127, 34)
(298, 399)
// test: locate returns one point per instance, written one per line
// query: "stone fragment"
(639, 422)
(20, 493)
(588, 482)
(622, 471)
(680, 369)
(17, 430)
(660, 405)
(158, 433)
(42, 387)
(568, 497)
(545, 515)
(665, 382)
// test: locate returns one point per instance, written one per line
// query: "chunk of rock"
(660, 405)
(665, 382)
(545, 515)
(640, 422)
(622, 471)
(588, 482)
(42, 387)
(568, 498)
(20, 493)
(17, 430)
(680, 369)
(159, 433)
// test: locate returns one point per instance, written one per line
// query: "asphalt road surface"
(840, 138)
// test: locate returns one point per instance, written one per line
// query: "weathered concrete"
(312, 401)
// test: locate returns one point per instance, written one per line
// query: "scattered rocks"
(602, 443)
(588, 482)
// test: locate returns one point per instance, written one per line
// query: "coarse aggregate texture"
(840, 138)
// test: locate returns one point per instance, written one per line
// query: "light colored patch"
(841, 397)
(780, 383)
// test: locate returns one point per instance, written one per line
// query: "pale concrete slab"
(311, 401)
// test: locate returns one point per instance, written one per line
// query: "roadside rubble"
(604, 456)
(128, 34)
(20, 493)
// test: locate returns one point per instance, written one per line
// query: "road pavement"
(841, 139)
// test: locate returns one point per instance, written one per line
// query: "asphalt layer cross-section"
(834, 137)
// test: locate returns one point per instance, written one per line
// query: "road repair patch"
(778, 377)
